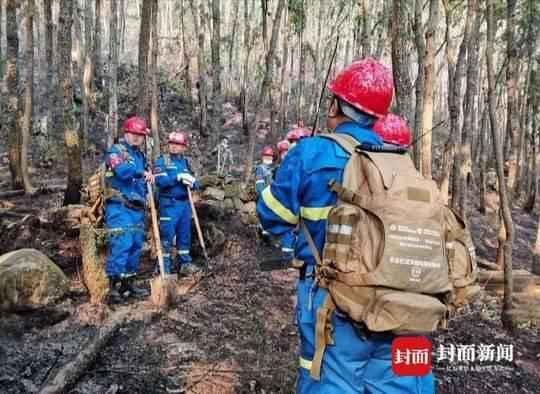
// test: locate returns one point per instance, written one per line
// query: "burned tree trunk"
(187, 58)
(98, 67)
(401, 61)
(87, 74)
(497, 147)
(420, 41)
(202, 85)
(28, 95)
(113, 75)
(248, 45)
(512, 123)
(285, 78)
(216, 70)
(12, 100)
(484, 140)
(49, 59)
(232, 39)
(154, 112)
(465, 166)
(455, 106)
(144, 48)
(429, 82)
(216, 58)
(71, 137)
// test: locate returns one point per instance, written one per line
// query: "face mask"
(267, 161)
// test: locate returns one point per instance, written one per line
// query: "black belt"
(180, 199)
(135, 205)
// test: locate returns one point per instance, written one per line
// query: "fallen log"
(44, 189)
(487, 265)
(70, 373)
(494, 280)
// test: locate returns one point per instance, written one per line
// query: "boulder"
(238, 204)
(248, 195)
(213, 193)
(209, 180)
(228, 204)
(250, 208)
(29, 279)
(232, 190)
(248, 219)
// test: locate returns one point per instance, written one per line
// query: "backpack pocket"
(404, 313)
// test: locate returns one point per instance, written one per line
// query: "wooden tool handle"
(197, 225)
(155, 230)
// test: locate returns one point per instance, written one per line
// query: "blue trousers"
(125, 237)
(287, 242)
(175, 221)
(353, 364)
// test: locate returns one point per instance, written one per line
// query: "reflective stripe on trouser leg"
(183, 257)
(166, 229)
(353, 364)
(183, 233)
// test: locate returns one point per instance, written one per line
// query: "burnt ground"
(231, 333)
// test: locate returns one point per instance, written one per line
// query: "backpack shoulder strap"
(344, 140)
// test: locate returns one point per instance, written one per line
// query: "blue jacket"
(166, 173)
(125, 171)
(263, 177)
(300, 188)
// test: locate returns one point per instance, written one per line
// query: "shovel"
(198, 227)
(163, 288)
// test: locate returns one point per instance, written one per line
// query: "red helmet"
(178, 137)
(304, 132)
(393, 129)
(268, 151)
(283, 146)
(367, 85)
(293, 136)
(135, 125)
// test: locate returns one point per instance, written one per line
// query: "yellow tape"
(278, 208)
(306, 364)
(320, 213)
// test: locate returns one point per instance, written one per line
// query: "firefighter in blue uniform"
(357, 362)
(263, 177)
(125, 203)
(173, 177)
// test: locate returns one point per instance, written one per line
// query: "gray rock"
(214, 194)
(29, 279)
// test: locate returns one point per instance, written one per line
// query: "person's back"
(357, 361)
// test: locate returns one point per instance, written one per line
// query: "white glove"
(186, 179)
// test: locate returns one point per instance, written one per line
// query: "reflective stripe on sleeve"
(277, 207)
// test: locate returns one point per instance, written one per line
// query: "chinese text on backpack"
(396, 259)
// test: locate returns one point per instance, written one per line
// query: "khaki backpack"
(97, 189)
(396, 259)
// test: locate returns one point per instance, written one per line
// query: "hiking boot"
(114, 297)
(138, 292)
(188, 269)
